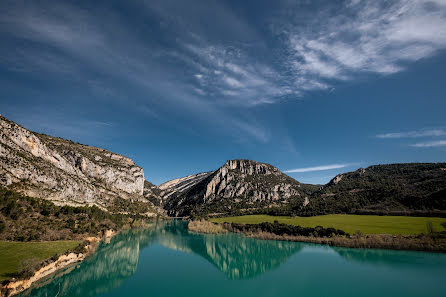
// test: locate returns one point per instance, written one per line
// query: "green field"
(12, 253)
(349, 223)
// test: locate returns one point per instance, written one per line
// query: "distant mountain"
(69, 173)
(247, 187)
(180, 185)
(383, 189)
(241, 185)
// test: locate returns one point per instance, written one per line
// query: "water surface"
(166, 260)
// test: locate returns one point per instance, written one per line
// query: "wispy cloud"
(368, 36)
(428, 144)
(318, 168)
(229, 76)
(414, 134)
(115, 60)
(233, 61)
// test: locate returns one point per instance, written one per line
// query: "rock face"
(65, 172)
(180, 185)
(237, 184)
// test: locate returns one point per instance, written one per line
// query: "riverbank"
(51, 265)
(16, 256)
(435, 242)
(283, 232)
(205, 227)
(366, 224)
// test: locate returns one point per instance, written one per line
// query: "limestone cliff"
(65, 172)
(180, 185)
(238, 184)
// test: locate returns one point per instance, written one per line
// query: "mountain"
(180, 185)
(383, 189)
(239, 185)
(69, 173)
(247, 187)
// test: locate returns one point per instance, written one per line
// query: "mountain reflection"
(237, 256)
(106, 269)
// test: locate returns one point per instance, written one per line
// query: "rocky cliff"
(65, 172)
(238, 184)
(180, 185)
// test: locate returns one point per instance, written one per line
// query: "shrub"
(28, 266)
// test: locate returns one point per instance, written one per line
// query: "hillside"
(68, 173)
(24, 218)
(412, 188)
(237, 186)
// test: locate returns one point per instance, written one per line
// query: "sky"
(315, 88)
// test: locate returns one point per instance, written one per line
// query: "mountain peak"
(249, 166)
(238, 184)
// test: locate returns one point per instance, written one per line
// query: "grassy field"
(12, 253)
(367, 224)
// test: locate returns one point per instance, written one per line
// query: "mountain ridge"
(67, 173)
(237, 182)
(74, 174)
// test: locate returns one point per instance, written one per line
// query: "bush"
(28, 266)
(284, 229)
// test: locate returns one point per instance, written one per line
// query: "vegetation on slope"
(400, 189)
(152, 193)
(24, 218)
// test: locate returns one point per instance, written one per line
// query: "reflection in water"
(391, 258)
(237, 256)
(106, 269)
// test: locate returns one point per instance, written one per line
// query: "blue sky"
(315, 88)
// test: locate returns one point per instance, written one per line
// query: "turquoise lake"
(166, 260)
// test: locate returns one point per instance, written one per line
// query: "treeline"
(284, 229)
(24, 218)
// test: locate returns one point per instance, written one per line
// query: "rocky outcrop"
(237, 184)
(65, 172)
(179, 185)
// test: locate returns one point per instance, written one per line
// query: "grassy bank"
(16, 256)
(206, 227)
(435, 242)
(367, 224)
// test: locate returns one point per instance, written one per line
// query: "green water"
(166, 260)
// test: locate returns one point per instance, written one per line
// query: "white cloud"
(74, 43)
(368, 36)
(430, 144)
(232, 82)
(318, 168)
(414, 134)
(230, 73)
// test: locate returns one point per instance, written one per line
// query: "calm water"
(168, 261)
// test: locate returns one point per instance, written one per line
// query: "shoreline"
(15, 286)
(380, 241)
(328, 236)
